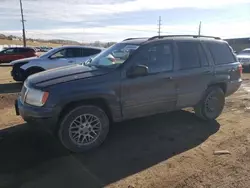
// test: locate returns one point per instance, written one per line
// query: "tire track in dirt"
(7, 100)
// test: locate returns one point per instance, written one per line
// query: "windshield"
(244, 52)
(113, 56)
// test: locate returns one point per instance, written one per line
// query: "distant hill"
(15, 40)
(54, 41)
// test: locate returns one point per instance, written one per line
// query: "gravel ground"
(171, 150)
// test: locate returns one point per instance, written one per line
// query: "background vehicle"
(162, 74)
(244, 58)
(11, 54)
(57, 57)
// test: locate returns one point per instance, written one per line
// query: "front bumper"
(46, 117)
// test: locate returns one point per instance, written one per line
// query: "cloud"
(119, 32)
(90, 20)
(81, 10)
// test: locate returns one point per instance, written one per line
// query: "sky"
(115, 20)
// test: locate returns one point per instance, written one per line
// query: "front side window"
(188, 55)
(59, 54)
(8, 51)
(158, 58)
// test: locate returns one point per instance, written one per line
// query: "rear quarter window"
(89, 51)
(221, 53)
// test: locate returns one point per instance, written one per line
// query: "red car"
(11, 54)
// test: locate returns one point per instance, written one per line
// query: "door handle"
(207, 72)
(168, 78)
(71, 61)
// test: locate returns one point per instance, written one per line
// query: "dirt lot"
(171, 150)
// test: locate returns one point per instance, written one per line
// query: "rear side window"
(202, 55)
(188, 54)
(25, 50)
(89, 51)
(73, 52)
(221, 53)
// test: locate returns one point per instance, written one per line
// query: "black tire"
(212, 104)
(68, 119)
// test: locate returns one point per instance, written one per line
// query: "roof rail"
(194, 36)
(135, 38)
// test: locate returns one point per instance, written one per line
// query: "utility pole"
(24, 37)
(159, 26)
(199, 32)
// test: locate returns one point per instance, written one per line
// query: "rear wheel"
(211, 106)
(83, 128)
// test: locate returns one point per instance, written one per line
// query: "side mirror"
(138, 70)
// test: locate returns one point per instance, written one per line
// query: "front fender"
(110, 97)
(29, 65)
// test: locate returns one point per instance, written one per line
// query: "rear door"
(20, 53)
(194, 73)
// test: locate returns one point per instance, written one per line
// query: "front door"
(155, 92)
(8, 55)
(63, 57)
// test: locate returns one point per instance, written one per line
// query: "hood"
(243, 56)
(23, 60)
(64, 74)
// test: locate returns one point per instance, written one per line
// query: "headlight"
(36, 97)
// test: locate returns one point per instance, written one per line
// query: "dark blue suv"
(134, 78)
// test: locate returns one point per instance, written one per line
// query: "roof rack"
(194, 36)
(135, 38)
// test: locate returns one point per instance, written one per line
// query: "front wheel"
(211, 106)
(83, 128)
(32, 71)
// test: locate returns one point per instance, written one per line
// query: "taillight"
(240, 69)
(45, 97)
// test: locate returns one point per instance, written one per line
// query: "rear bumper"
(233, 86)
(46, 117)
